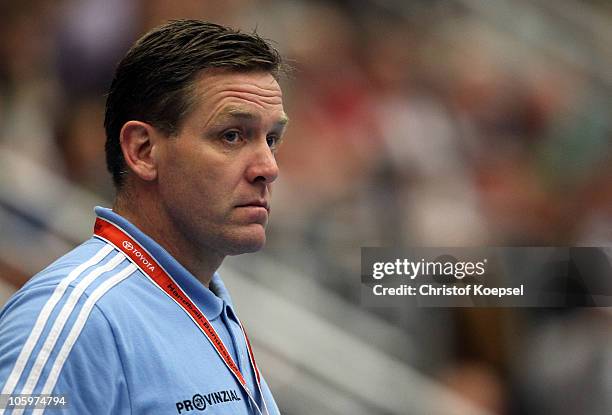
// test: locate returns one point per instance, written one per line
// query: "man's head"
(154, 81)
(193, 120)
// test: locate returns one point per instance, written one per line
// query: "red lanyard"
(151, 268)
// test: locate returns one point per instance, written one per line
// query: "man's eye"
(231, 136)
(272, 141)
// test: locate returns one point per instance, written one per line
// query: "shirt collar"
(209, 303)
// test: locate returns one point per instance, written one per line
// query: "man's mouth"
(256, 203)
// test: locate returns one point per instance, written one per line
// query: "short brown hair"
(153, 81)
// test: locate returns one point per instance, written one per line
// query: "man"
(136, 320)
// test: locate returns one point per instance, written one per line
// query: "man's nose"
(263, 166)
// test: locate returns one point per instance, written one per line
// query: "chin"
(246, 242)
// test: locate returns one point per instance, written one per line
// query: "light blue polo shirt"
(94, 328)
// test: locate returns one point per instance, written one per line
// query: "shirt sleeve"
(69, 350)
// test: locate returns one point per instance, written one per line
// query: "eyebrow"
(238, 113)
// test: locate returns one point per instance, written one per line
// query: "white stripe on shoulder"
(41, 321)
(62, 318)
(78, 327)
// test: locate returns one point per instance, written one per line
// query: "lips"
(256, 203)
(254, 211)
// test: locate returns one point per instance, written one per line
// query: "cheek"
(201, 177)
(179, 179)
(222, 173)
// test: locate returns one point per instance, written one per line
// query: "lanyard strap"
(154, 271)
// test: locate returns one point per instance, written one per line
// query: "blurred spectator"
(28, 87)
(80, 139)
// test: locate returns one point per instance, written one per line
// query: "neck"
(152, 219)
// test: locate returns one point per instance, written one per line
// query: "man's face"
(215, 176)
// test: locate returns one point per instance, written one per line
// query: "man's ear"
(138, 140)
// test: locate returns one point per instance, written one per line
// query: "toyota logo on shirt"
(127, 245)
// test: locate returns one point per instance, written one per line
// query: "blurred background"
(413, 123)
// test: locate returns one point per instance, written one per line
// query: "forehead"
(252, 91)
